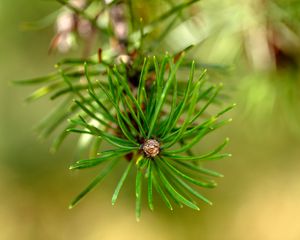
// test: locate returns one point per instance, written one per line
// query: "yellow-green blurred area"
(259, 197)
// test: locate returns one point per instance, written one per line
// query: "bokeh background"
(259, 197)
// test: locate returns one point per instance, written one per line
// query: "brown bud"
(151, 148)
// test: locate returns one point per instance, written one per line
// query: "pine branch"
(138, 104)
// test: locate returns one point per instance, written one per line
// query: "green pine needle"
(154, 113)
(121, 182)
(148, 110)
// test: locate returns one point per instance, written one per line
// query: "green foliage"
(147, 116)
(151, 109)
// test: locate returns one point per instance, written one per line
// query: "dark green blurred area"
(258, 198)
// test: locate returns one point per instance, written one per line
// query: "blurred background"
(259, 197)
